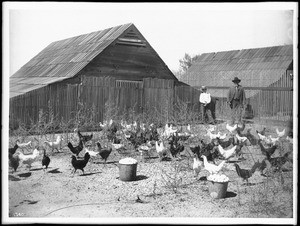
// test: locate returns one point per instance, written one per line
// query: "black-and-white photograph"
(169, 113)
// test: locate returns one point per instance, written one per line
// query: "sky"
(172, 29)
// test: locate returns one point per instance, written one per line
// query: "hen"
(225, 143)
(103, 152)
(231, 129)
(280, 133)
(80, 163)
(245, 174)
(197, 165)
(161, 150)
(226, 154)
(252, 139)
(55, 144)
(14, 161)
(213, 135)
(212, 168)
(12, 151)
(240, 138)
(239, 128)
(267, 151)
(84, 138)
(262, 132)
(76, 150)
(278, 162)
(45, 160)
(29, 159)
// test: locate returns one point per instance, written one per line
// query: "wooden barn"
(111, 67)
(266, 74)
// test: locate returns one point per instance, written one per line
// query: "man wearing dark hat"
(237, 100)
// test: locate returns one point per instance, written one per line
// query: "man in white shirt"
(205, 102)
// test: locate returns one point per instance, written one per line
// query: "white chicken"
(28, 159)
(118, 146)
(169, 131)
(161, 150)
(92, 153)
(223, 136)
(241, 139)
(272, 140)
(231, 129)
(24, 145)
(262, 137)
(55, 144)
(280, 133)
(213, 135)
(227, 153)
(197, 165)
(212, 168)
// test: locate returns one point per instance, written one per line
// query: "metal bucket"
(217, 190)
(127, 172)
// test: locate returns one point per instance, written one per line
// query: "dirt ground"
(157, 192)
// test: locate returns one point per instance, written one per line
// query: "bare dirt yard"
(161, 189)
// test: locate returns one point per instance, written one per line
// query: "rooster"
(245, 174)
(231, 129)
(212, 168)
(226, 154)
(280, 133)
(267, 151)
(80, 163)
(103, 152)
(84, 138)
(45, 160)
(29, 159)
(12, 151)
(55, 144)
(76, 150)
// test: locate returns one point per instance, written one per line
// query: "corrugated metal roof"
(259, 67)
(62, 59)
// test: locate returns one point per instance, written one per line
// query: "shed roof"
(63, 59)
(259, 67)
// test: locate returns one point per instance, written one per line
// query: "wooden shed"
(265, 73)
(113, 66)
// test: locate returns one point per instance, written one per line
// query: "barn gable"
(101, 53)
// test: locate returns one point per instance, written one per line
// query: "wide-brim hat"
(236, 80)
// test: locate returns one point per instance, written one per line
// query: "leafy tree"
(187, 61)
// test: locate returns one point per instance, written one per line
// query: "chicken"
(118, 146)
(103, 152)
(262, 132)
(12, 151)
(80, 163)
(226, 154)
(267, 151)
(278, 162)
(290, 139)
(231, 129)
(14, 161)
(84, 138)
(212, 168)
(280, 133)
(212, 135)
(176, 149)
(272, 140)
(239, 128)
(92, 153)
(241, 139)
(222, 137)
(227, 143)
(24, 145)
(76, 150)
(45, 160)
(161, 150)
(252, 139)
(262, 137)
(197, 165)
(29, 159)
(245, 174)
(209, 150)
(55, 144)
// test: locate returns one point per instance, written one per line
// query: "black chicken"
(80, 163)
(245, 174)
(76, 150)
(14, 162)
(45, 160)
(278, 162)
(227, 143)
(239, 128)
(12, 151)
(267, 151)
(253, 140)
(104, 152)
(84, 138)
